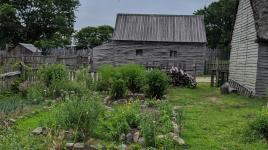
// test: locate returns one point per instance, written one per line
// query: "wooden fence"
(35, 61)
(219, 71)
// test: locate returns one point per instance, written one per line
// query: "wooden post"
(217, 72)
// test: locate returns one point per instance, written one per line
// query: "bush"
(79, 114)
(53, 73)
(35, 95)
(258, 128)
(106, 73)
(148, 129)
(119, 121)
(83, 77)
(133, 75)
(157, 84)
(118, 89)
(165, 119)
(60, 88)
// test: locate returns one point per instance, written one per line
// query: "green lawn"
(211, 120)
(215, 121)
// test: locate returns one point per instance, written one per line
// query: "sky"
(103, 12)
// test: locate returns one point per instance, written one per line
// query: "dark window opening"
(139, 52)
(173, 54)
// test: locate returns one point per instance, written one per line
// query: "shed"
(24, 49)
(249, 52)
(155, 40)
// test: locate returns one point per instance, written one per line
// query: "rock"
(122, 137)
(69, 145)
(141, 140)
(176, 128)
(179, 140)
(122, 147)
(160, 136)
(110, 109)
(37, 131)
(12, 120)
(79, 146)
(136, 136)
(225, 88)
(106, 99)
(129, 138)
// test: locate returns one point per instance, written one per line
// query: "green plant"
(61, 88)
(118, 89)
(34, 95)
(258, 127)
(53, 73)
(83, 77)
(106, 73)
(148, 129)
(133, 75)
(157, 84)
(165, 118)
(11, 104)
(79, 114)
(121, 120)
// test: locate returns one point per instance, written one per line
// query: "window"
(173, 54)
(139, 52)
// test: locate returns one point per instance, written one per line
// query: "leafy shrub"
(59, 88)
(118, 89)
(53, 73)
(34, 95)
(165, 118)
(148, 129)
(80, 114)
(157, 84)
(258, 128)
(83, 77)
(167, 143)
(134, 76)
(119, 121)
(106, 73)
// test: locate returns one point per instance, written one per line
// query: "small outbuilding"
(249, 52)
(23, 49)
(155, 40)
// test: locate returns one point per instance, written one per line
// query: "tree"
(93, 36)
(42, 19)
(219, 22)
(9, 25)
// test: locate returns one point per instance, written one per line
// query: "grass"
(215, 121)
(211, 120)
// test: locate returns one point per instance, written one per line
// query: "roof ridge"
(172, 15)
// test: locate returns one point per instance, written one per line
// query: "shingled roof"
(30, 47)
(260, 9)
(160, 28)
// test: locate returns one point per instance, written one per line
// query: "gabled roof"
(260, 9)
(160, 28)
(30, 47)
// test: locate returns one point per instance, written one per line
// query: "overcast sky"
(103, 12)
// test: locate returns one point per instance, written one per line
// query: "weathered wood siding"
(157, 53)
(244, 53)
(262, 75)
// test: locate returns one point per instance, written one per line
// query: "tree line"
(50, 23)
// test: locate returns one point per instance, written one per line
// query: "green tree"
(93, 36)
(9, 25)
(219, 22)
(42, 20)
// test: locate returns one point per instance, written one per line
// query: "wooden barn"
(155, 40)
(24, 49)
(249, 54)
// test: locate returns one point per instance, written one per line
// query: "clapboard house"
(249, 53)
(155, 40)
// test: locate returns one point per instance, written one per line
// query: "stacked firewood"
(181, 78)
